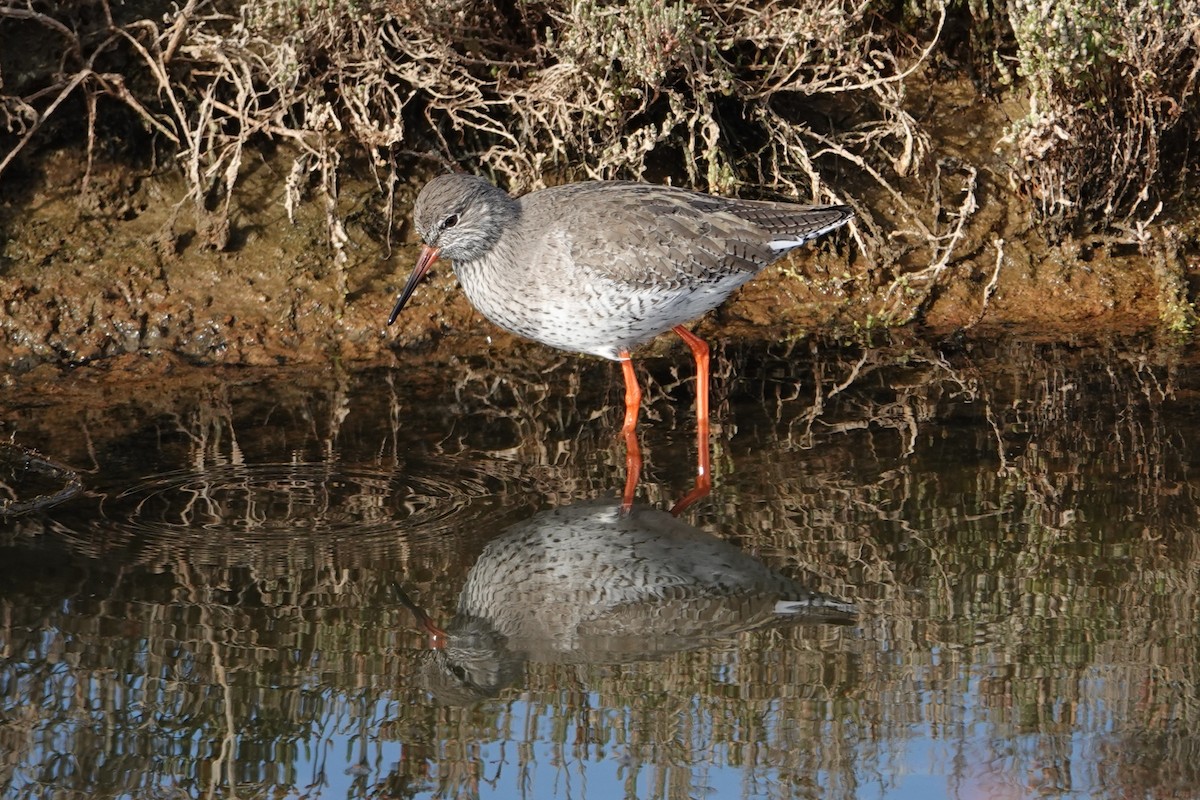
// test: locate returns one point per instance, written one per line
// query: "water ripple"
(272, 502)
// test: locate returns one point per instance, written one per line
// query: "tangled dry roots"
(779, 97)
(1113, 106)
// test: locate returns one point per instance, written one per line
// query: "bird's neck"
(492, 235)
(493, 266)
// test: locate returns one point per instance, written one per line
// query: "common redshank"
(592, 583)
(602, 267)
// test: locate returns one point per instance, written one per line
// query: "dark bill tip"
(428, 256)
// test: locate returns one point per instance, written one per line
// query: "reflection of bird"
(602, 267)
(590, 583)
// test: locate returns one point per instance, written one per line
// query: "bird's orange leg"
(633, 453)
(703, 476)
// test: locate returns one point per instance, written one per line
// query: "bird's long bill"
(428, 256)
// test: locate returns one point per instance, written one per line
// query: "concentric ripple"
(284, 501)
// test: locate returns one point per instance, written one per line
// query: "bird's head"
(459, 217)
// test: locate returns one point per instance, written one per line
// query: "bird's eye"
(450, 221)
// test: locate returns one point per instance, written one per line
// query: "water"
(240, 602)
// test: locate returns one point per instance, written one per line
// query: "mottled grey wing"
(789, 224)
(666, 238)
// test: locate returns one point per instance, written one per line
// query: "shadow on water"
(232, 603)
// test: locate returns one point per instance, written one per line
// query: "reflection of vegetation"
(1026, 560)
(1017, 524)
(29, 482)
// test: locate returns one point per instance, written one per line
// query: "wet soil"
(109, 260)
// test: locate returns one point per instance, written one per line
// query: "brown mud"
(107, 261)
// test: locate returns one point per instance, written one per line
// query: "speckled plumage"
(593, 570)
(602, 267)
(593, 583)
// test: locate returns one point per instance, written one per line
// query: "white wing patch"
(783, 245)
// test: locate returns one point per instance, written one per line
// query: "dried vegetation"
(809, 99)
(1113, 110)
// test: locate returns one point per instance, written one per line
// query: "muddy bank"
(115, 271)
(231, 183)
(122, 266)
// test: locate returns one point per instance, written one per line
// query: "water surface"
(240, 601)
